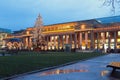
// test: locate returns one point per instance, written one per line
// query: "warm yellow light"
(27, 32)
(118, 33)
(118, 40)
(83, 26)
(107, 34)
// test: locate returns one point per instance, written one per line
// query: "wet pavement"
(93, 69)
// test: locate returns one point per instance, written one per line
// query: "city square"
(60, 42)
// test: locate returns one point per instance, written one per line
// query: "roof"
(93, 22)
(2, 30)
(112, 19)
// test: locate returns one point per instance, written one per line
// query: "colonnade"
(83, 40)
(107, 40)
(78, 40)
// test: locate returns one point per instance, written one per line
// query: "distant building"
(80, 35)
(3, 34)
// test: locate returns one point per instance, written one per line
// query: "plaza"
(92, 69)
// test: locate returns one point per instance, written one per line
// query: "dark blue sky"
(20, 14)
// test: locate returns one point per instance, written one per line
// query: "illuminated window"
(107, 40)
(112, 40)
(107, 34)
(52, 37)
(83, 26)
(118, 33)
(95, 41)
(27, 32)
(102, 34)
(118, 40)
(67, 27)
(56, 37)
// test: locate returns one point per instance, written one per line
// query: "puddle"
(58, 71)
(104, 73)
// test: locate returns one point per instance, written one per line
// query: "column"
(70, 40)
(47, 41)
(54, 42)
(103, 40)
(97, 40)
(62, 42)
(26, 42)
(67, 39)
(80, 40)
(60, 37)
(109, 40)
(59, 42)
(86, 39)
(50, 42)
(92, 40)
(75, 40)
(30, 42)
(115, 40)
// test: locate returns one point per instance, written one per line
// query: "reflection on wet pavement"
(58, 71)
(104, 73)
(92, 69)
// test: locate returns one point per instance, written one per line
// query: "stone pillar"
(75, 40)
(62, 42)
(97, 40)
(70, 40)
(30, 42)
(103, 39)
(50, 42)
(115, 40)
(26, 41)
(47, 41)
(86, 39)
(109, 41)
(92, 40)
(80, 40)
(54, 42)
(28, 38)
(66, 39)
(59, 42)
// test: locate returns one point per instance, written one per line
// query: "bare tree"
(39, 40)
(111, 3)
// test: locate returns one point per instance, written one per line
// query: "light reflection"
(58, 71)
(104, 73)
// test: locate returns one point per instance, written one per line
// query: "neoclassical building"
(82, 35)
(3, 34)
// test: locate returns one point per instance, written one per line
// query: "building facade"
(80, 35)
(3, 34)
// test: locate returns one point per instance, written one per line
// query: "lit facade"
(3, 34)
(80, 35)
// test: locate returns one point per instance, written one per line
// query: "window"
(118, 40)
(102, 34)
(107, 34)
(118, 33)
